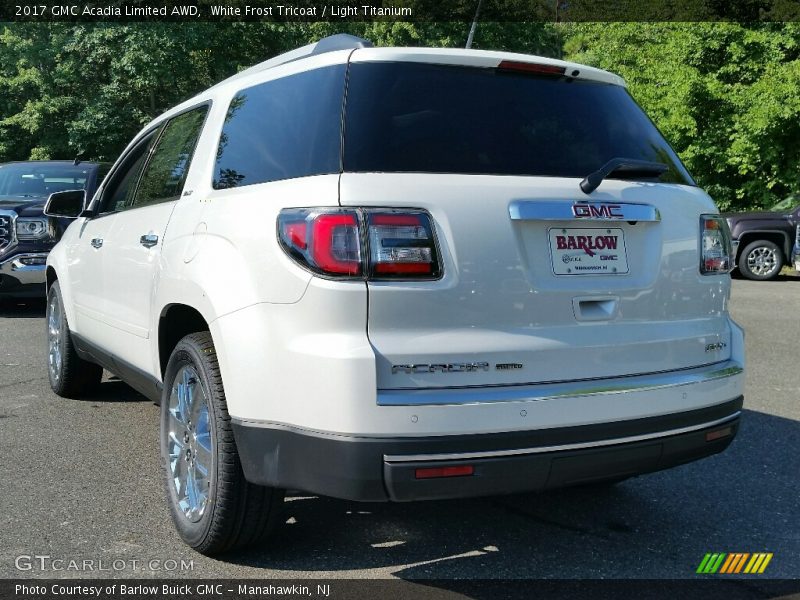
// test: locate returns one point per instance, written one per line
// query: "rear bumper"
(384, 469)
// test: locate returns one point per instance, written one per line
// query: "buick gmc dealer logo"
(590, 244)
(597, 211)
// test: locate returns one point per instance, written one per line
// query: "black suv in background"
(26, 234)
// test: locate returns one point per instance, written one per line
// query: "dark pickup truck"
(765, 240)
(26, 234)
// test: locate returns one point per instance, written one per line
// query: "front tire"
(70, 376)
(761, 260)
(214, 508)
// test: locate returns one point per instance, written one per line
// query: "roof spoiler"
(340, 41)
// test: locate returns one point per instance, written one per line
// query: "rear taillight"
(716, 251)
(326, 241)
(361, 243)
(401, 245)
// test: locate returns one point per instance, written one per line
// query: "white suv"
(391, 274)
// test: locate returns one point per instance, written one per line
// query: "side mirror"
(69, 203)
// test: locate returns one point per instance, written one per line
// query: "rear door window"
(165, 173)
(119, 191)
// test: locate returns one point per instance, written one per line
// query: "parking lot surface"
(80, 481)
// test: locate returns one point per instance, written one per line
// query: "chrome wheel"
(54, 347)
(762, 261)
(189, 442)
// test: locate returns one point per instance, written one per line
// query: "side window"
(280, 129)
(118, 193)
(165, 173)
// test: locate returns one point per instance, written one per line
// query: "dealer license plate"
(596, 251)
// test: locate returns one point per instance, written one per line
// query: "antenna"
(474, 26)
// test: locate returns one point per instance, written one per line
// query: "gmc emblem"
(597, 211)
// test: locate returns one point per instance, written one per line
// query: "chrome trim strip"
(555, 390)
(15, 262)
(25, 274)
(395, 458)
(562, 210)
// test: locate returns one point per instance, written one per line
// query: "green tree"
(68, 89)
(726, 96)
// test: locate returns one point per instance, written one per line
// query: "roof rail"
(340, 41)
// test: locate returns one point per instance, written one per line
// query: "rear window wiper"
(629, 166)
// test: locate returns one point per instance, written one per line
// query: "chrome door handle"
(97, 242)
(149, 240)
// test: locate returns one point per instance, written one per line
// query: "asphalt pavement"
(80, 481)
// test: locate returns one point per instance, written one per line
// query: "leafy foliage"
(726, 95)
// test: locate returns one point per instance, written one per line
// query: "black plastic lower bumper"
(383, 469)
(23, 273)
(12, 286)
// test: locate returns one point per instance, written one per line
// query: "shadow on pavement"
(18, 308)
(652, 527)
(113, 389)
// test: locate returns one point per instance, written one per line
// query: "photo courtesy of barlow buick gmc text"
(472, 302)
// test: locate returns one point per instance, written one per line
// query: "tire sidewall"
(186, 353)
(745, 269)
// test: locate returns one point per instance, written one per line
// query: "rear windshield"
(412, 117)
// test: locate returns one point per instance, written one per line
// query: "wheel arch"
(50, 276)
(780, 238)
(175, 322)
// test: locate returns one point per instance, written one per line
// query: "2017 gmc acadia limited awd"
(391, 274)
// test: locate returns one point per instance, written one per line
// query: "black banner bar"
(553, 11)
(727, 588)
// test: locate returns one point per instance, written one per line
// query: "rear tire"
(761, 260)
(214, 508)
(70, 376)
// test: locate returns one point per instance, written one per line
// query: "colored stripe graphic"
(732, 558)
(711, 562)
(741, 562)
(732, 563)
(758, 563)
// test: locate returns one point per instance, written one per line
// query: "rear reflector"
(719, 434)
(534, 68)
(436, 472)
